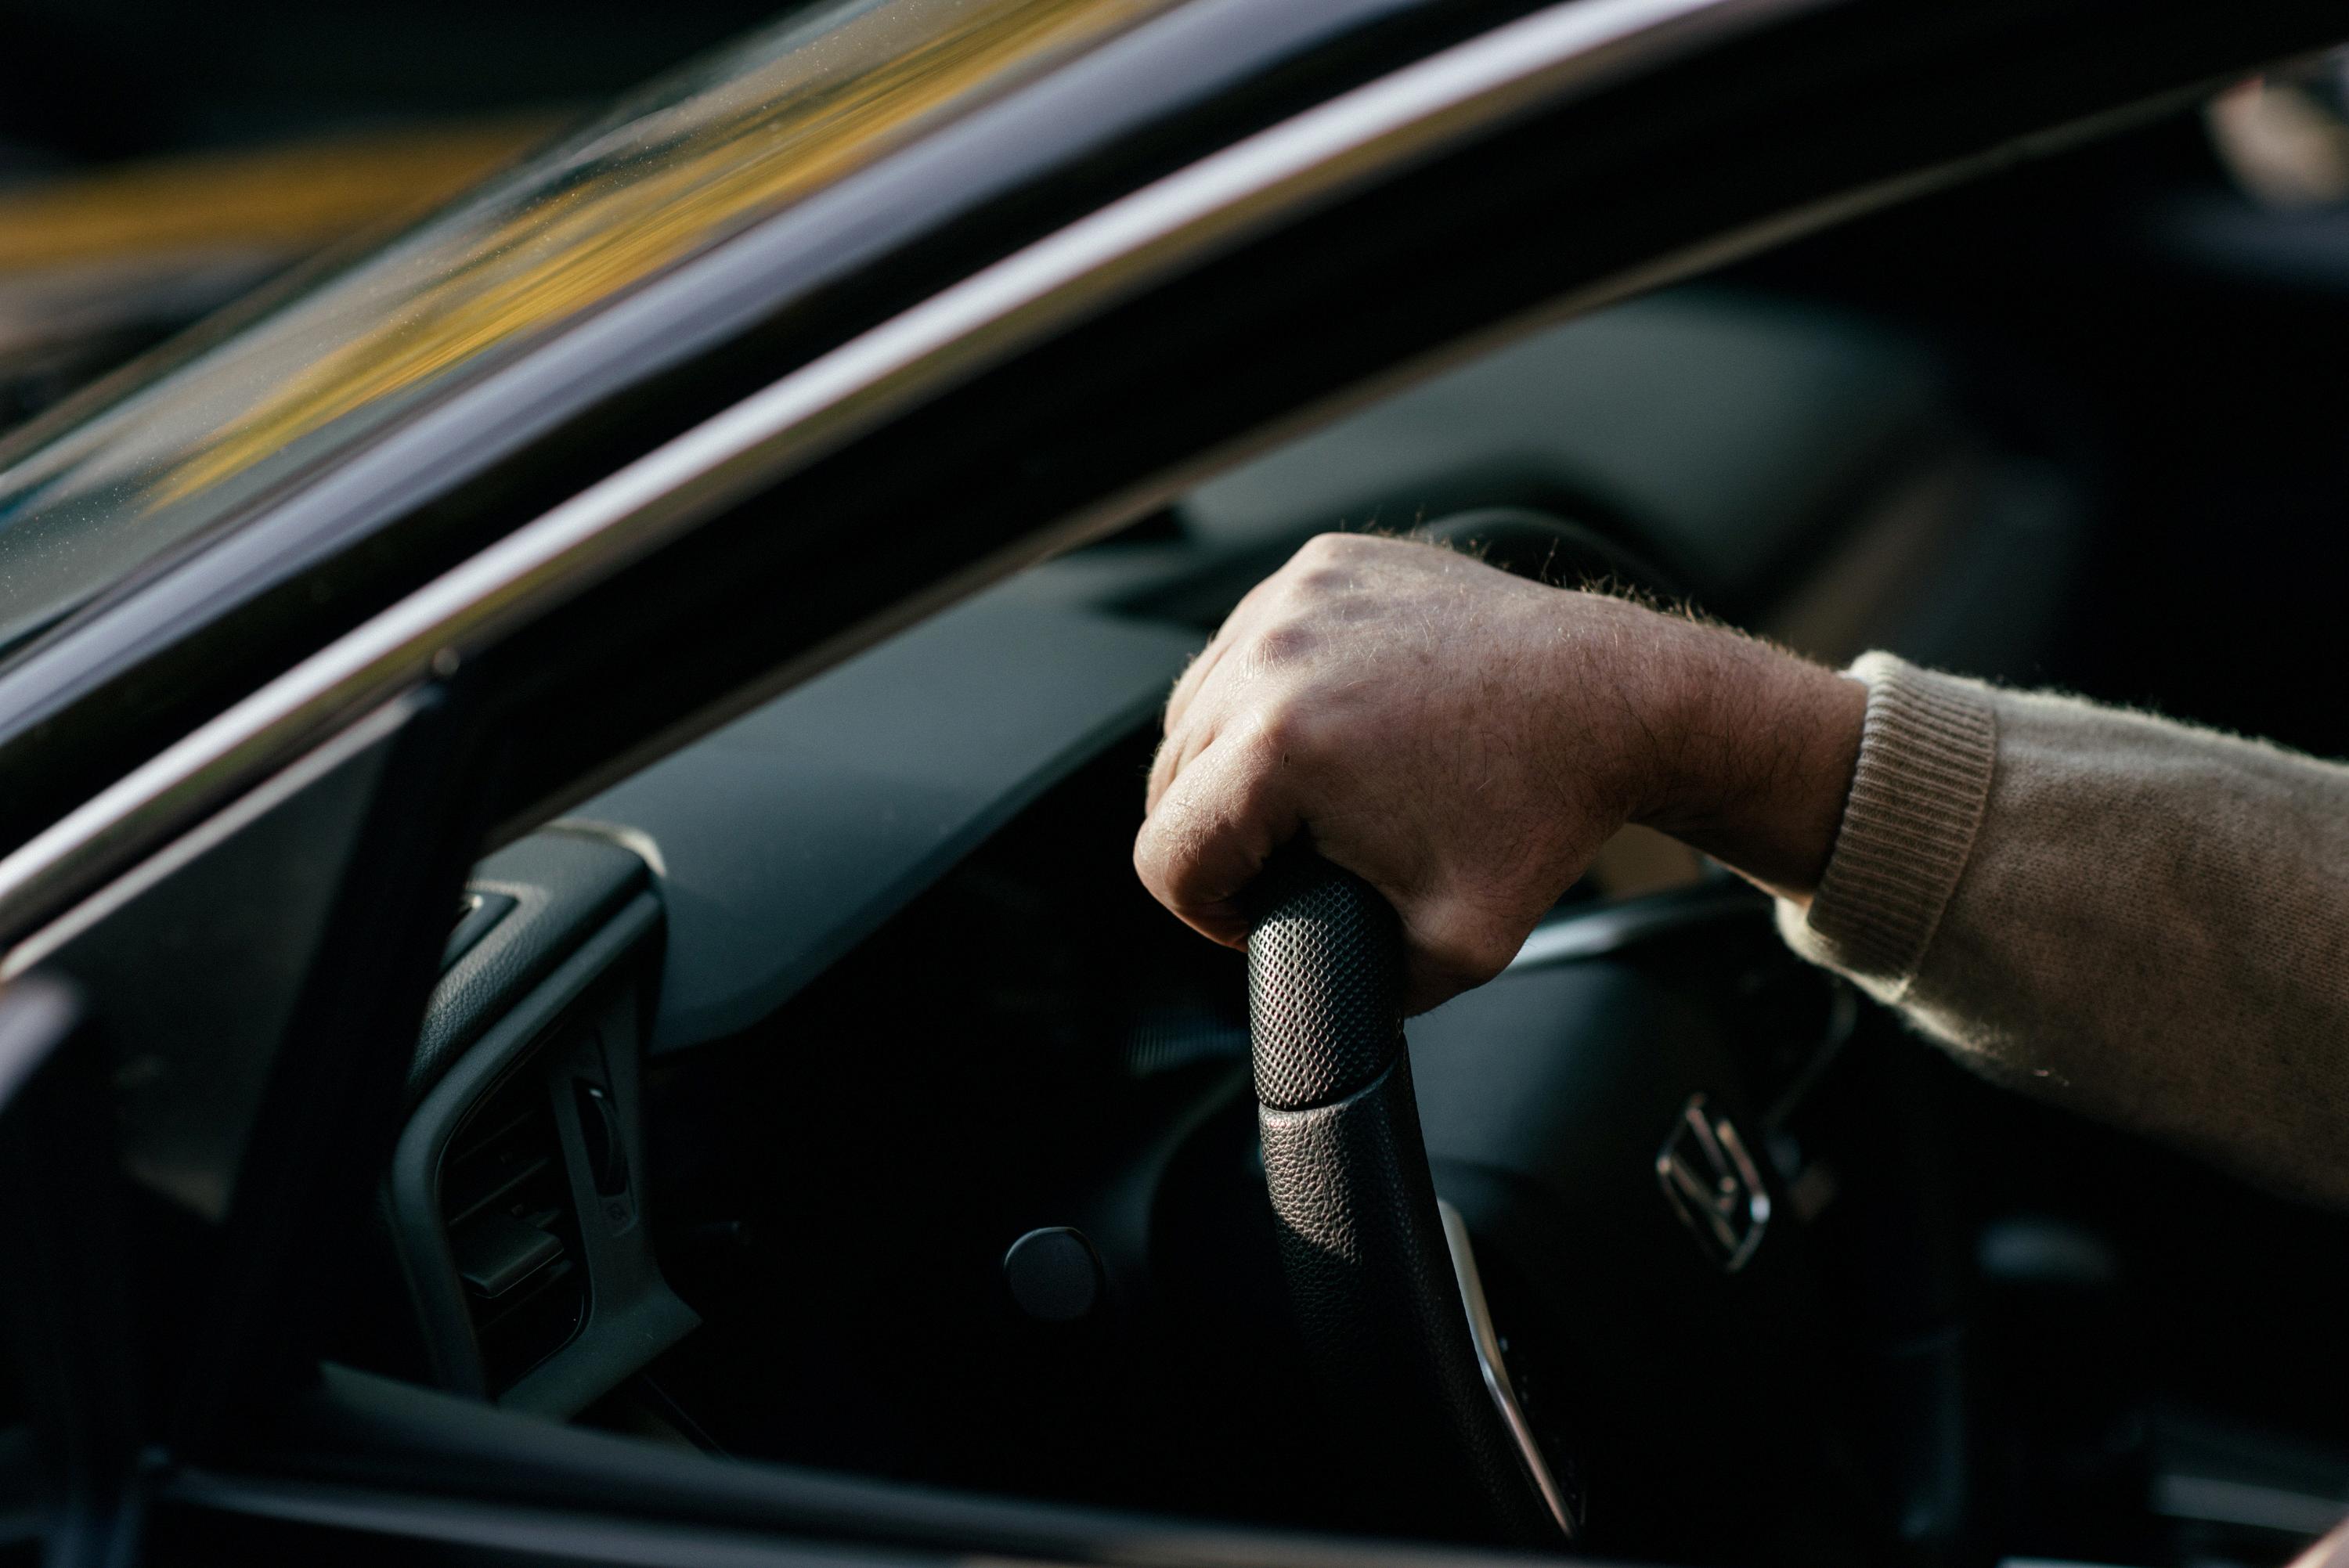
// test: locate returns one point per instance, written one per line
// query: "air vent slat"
(506, 1203)
(501, 1194)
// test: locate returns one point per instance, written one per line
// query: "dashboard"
(747, 1081)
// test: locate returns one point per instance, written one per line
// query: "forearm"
(2143, 920)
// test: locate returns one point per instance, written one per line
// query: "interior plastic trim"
(1495, 1367)
(639, 1311)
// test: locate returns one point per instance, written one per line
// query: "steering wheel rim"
(1384, 1292)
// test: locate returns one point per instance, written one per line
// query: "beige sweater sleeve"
(2137, 918)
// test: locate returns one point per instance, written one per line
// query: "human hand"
(1465, 740)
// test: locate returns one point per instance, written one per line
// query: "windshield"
(687, 162)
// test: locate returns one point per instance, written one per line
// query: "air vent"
(506, 1197)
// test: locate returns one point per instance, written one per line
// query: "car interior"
(829, 1092)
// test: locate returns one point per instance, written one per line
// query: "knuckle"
(1168, 851)
(1283, 643)
(1330, 557)
(1149, 856)
(1288, 734)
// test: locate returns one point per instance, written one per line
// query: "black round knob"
(1054, 1275)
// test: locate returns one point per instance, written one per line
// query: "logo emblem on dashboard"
(1712, 1184)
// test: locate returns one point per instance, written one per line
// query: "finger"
(1429, 981)
(1199, 727)
(1193, 676)
(1457, 938)
(1175, 753)
(1218, 823)
(1235, 630)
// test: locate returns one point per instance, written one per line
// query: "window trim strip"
(1229, 196)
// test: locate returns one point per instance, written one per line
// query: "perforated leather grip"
(1325, 983)
(1362, 1248)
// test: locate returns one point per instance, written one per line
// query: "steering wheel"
(1381, 1276)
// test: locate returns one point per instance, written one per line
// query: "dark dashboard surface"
(909, 878)
(1738, 439)
(785, 839)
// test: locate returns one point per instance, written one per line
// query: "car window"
(690, 160)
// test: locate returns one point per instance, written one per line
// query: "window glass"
(691, 161)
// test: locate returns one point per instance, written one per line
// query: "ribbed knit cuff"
(1927, 751)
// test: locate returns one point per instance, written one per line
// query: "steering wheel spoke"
(1387, 1301)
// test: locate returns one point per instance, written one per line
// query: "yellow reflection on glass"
(696, 159)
